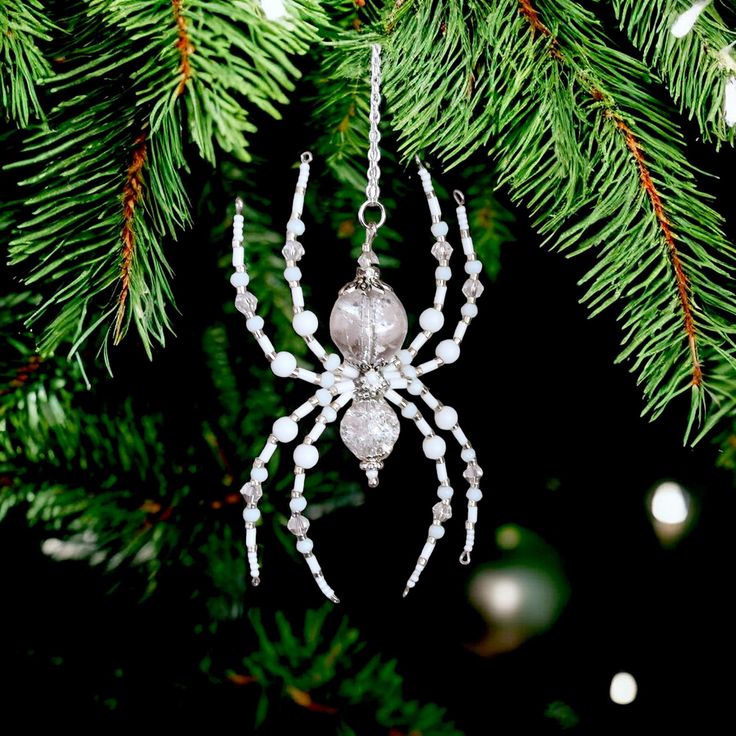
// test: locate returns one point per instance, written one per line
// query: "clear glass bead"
(293, 250)
(441, 511)
(473, 288)
(298, 525)
(370, 429)
(251, 492)
(245, 302)
(368, 324)
(473, 473)
(442, 250)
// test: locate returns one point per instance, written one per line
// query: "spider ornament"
(368, 325)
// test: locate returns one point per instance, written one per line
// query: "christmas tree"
(133, 401)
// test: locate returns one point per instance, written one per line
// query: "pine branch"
(325, 669)
(23, 65)
(105, 186)
(695, 68)
(580, 138)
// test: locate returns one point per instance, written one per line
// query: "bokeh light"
(671, 509)
(623, 688)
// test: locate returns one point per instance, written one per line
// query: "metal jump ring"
(361, 214)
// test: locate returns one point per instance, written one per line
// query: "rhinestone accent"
(442, 250)
(473, 288)
(442, 511)
(246, 302)
(473, 473)
(292, 251)
(298, 525)
(251, 492)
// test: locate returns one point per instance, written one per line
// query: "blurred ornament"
(519, 596)
(623, 688)
(671, 509)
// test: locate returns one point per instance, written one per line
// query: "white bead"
(439, 229)
(473, 514)
(474, 494)
(473, 267)
(409, 371)
(469, 310)
(253, 324)
(298, 504)
(306, 456)
(326, 379)
(329, 414)
(436, 531)
(445, 492)
(251, 514)
(284, 364)
(238, 220)
(285, 429)
(434, 447)
(448, 351)
(295, 226)
(331, 362)
(259, 474)
(239, 278)
(409, 411)
(324, 397)
(446, 417)
(415, 388)
(238, 255)
(431, 319)
(467, 454)
(443, 273)
(404, 356)
(293, 273)
(305, 323)
(304, 546)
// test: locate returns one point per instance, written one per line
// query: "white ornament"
(368, 325)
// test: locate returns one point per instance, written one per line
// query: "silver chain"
(374, 154)
(372, 190)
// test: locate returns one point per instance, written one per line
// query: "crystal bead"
(367, 259)
(441, 511)
(298, 525)
(368, 324)
(370, 429)
(293, 250)
(442, 250)
(246, 302)
(251, 492)
(473, 473)
(473, 288)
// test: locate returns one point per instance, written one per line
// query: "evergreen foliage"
(119, 115)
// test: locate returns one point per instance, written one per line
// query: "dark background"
(566, 454)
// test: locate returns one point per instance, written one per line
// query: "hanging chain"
(372, 190)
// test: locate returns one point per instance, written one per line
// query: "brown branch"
(683, 284)
(184, 44)
(132, 194)
(22, 374)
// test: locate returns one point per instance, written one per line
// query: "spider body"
(368, 324)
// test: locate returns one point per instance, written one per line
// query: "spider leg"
(282, 363)
(284, 431)
(305, 458)
(304, 322)
(434, 449)
(432, 319)
(448, 351)
(445, 417)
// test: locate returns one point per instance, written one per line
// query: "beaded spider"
(369, 325)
